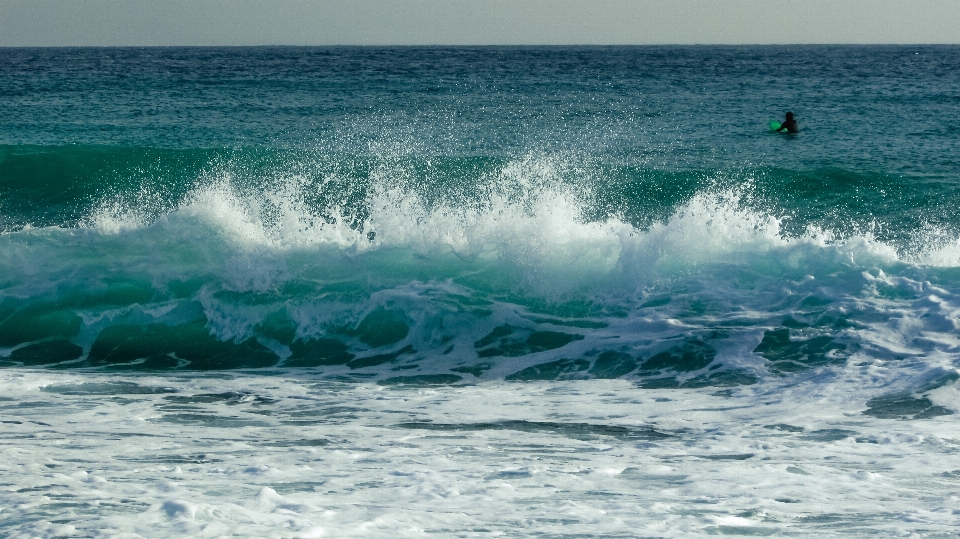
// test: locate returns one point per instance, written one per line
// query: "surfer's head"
(789, 116)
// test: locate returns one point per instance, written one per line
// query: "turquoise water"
(366, 291)
(436, 207)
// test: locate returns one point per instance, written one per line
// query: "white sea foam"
(530, 212)
(527, 217)
(306, 458)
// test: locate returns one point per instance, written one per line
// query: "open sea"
(525, 292)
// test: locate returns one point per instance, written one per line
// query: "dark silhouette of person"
(789, 124)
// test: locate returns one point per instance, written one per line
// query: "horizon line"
(480, 45)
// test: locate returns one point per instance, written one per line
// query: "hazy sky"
(474, 22)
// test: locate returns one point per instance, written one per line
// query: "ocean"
(552, 292)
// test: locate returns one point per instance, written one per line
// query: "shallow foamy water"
(285, 456)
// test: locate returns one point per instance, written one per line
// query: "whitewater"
(526, 292)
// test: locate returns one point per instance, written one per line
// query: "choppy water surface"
(479, 291)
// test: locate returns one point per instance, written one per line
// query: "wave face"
(449, 215)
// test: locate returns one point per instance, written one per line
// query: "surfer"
(789, 124)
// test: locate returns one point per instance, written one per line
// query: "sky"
(474, 22)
